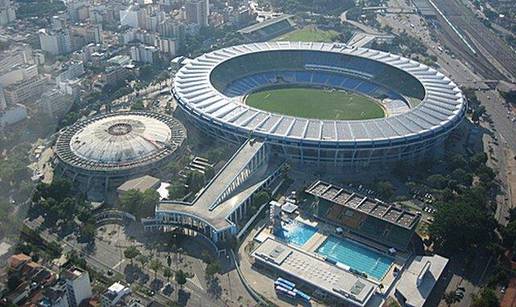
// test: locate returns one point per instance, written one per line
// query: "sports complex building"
(321, 103)
(106, 150)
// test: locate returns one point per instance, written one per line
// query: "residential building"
(131, 16)
(25, 91)
(166, 46)
(15, 56)
(171, 28)
(55, 103)
(197, 12)
(55, 296)
(3, 102)
(120, 60)
(114, 294)
(71, 87)
(113, 75)
(145, 54)
(55, 42)
(7, 12)
(18, 73)
(78, 285)
(72, 70)
(84, 34)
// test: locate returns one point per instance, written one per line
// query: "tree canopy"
(332, 7)
(140, 204)
(461, 226)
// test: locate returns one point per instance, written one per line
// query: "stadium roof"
(442, 107)
(119, 140)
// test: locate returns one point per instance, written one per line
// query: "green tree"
(485, 298)
(211, 269)
(385, 188)
(88, 232)
(460, 226)
(509, 234)
(155, 265)
(180, 278)
(259, 199)
(452, 297)
(462, 176)
(173, 167)
(138, 203)
(142, 259)
(167, 272)
(209, 172)
(150, 200)
(477, 160)
(131, 252)
(437, 181)
(138, 105)
(195, 181)
(131, 201)
(176, 190)
(169, 260)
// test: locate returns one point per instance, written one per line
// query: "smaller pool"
(296, 233)
(356, 256)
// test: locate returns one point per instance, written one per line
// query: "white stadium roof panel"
(441, 104)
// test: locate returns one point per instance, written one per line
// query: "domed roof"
(117, 141)
(121, 138)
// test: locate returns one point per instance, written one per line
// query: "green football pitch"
(316, 103)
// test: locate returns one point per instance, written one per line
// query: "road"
(501, 148)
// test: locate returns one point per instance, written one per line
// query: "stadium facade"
(106, 150)
(423, 105)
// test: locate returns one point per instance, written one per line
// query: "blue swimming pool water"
(296, 233)
(356, 256)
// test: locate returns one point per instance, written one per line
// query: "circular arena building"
(106, 150)
(320, 102)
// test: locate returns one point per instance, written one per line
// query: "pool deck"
(315, 271)
(315, 241)
(325, 230)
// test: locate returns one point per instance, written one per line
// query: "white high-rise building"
(166, 45)
(197, 12)
(55, 42)
(3, 103)
(132, 16)
(78, 286)
(144, 54)
(7, 12)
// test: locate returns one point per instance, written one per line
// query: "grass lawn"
(309, 34)
(315, 103)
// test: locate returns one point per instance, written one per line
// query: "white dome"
(121, 138)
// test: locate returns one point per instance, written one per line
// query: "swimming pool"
(296, 233)
(356, 256)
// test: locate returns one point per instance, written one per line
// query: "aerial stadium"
(321, 102)
(106, 150)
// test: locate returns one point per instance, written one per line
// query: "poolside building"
(419, 279)
(313, 274)
(386, 224)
